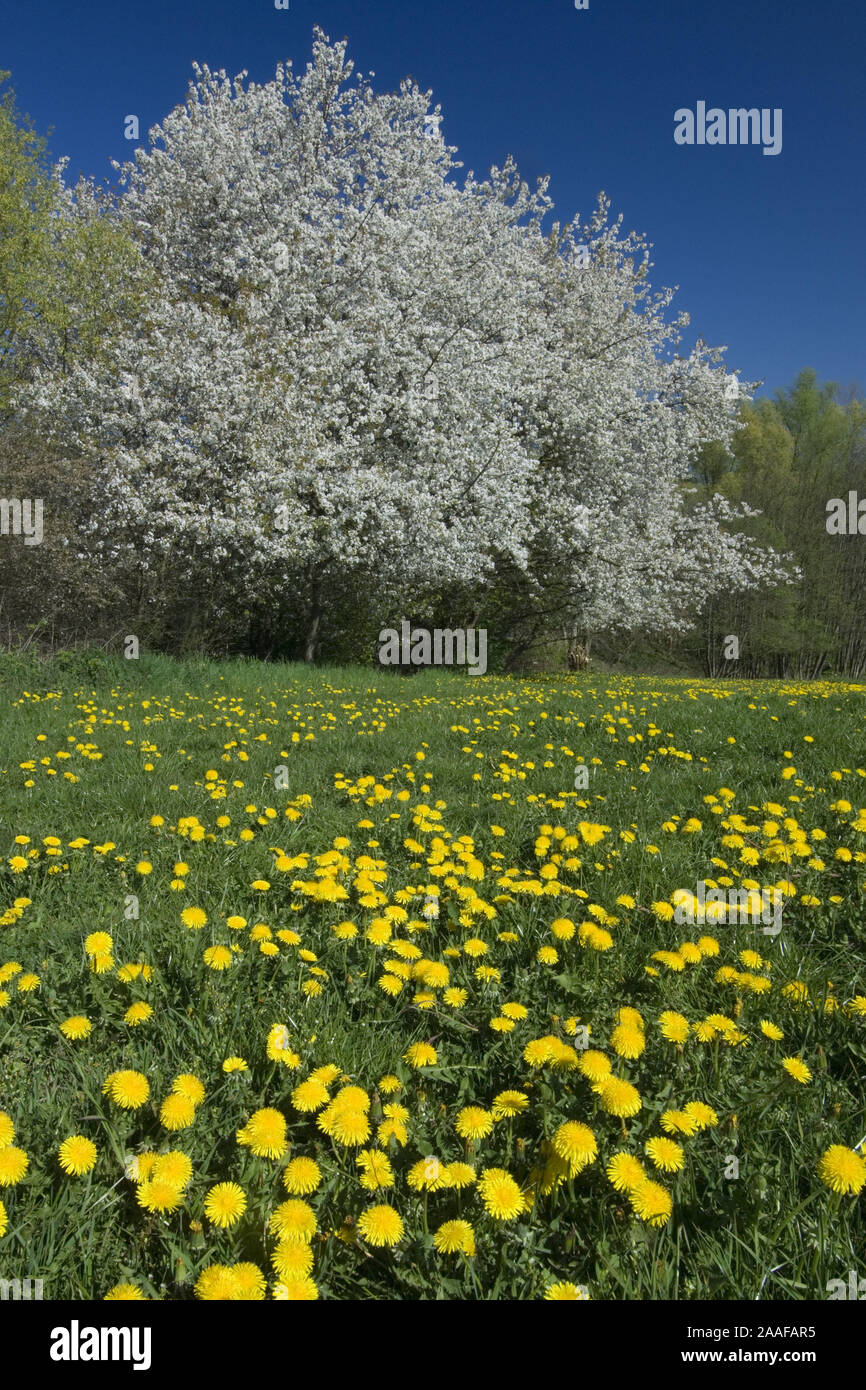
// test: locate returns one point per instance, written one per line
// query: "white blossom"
(408, 368)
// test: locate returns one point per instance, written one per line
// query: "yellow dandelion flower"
(140, 1166)
(459, 1175)
(376, 1170)
(217, 957)
(190, 1086)
(381, 1225)
(651, 1202)
(703, 1115)
(392, 1129)
(421, 1054)
(310, 1095)
(665, 1154)
(455, 1237)
(627, 1041)
(672, 959)
(156, 1195)
(249, 1282)
(678, 1122)
(509, 1103)
(98, 943)
(565, 1292)
(216, 1283)
(797, 990)
(176, 1112)
(618, 1097)
(194, 917)
(14, 1163)
(428, 1175)
(225, 1204)
(538, 1052)
(576, 1145)
(674, 1027)
(625, 1172)
(473, 1122)
(296, 1291)
(292, 1260)
(842, 1170)
(390, 984)
(347, 1127)
(500, 1194)
(797, 1070)
(630, 1017)
(77, 1155)
(137, 1013)
(127, 1089)
(594, 1066)
(293, 1221)
(302, 1176)
(174, 1167)
(514, 1011)
(264, 1133)
(327, 1074)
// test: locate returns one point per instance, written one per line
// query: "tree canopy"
(350, 367)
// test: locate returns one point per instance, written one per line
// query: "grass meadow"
(331, 983)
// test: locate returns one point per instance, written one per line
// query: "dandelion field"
(334, 984)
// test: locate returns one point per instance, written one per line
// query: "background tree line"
(794, 453)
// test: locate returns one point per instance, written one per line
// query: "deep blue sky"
(768, 252)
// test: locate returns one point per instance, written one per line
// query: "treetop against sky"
(765, 251)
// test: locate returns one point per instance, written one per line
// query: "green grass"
(496, 752)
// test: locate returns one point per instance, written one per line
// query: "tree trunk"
(310, 641)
